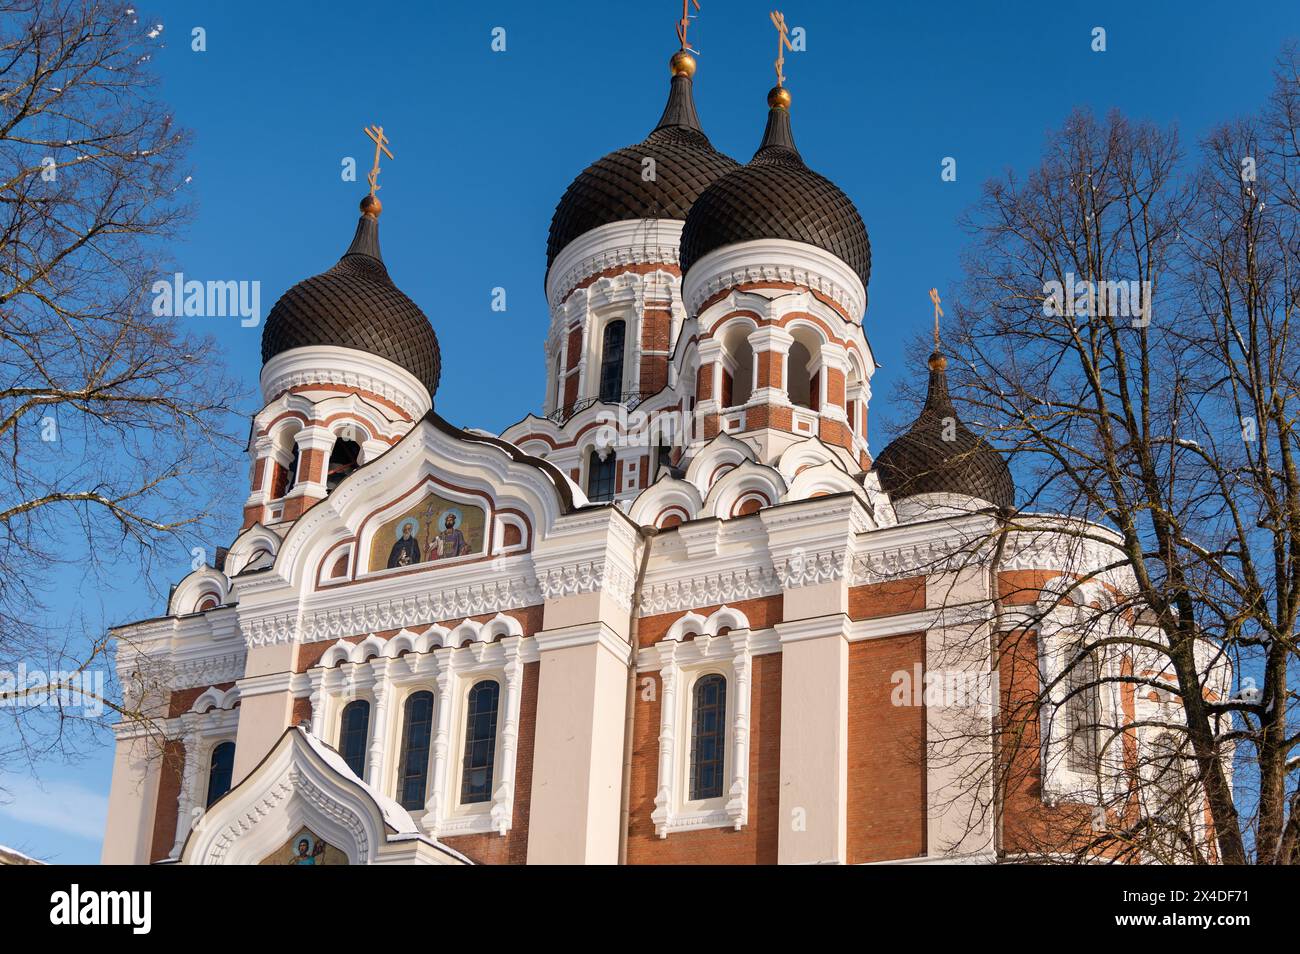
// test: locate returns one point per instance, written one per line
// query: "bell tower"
(350, 363)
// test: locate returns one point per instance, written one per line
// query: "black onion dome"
(613, 188)
(356, 305)
(776, 196)
(920, 461)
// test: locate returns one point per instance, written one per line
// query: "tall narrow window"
(414, 768)
(480, 743)
(611, 362)
(1083, 714)
(343, 461)
(291, 476)
(600, 476)
(220, 770)
(354, 729)
(708, 736)
(799, 383)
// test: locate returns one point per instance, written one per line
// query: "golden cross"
(782, 44)
(376, 133)
(685, 22)
(938, 313)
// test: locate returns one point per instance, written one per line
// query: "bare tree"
(1124, 331)
(111, 417)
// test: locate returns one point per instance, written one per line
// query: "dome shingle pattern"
(356, 305)
(920, 461)
(613, 189)
(777, 196)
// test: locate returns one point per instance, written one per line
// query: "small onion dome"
(615, 187)
(356, 305)
(776, 196)
(920, 461)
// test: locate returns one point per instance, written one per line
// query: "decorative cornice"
(587, 577)
(774, 260)
(631, 242)
(727, 586)
(327, 364)
(801, 568)
(414, 610)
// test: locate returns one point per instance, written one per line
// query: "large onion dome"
(921, 461)
(615, 188)
(776, 196)
(356, 305)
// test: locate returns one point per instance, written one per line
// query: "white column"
(738, 796)
(189, 782)
(664, 794)
(436, 799)
(503, 797)
(379, 728)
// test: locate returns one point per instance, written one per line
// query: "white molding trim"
(630, 242)
(327, 364)
(774, 260)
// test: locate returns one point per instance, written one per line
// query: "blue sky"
(486, 142)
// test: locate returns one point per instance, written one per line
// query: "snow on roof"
(395, 816)
(12, 856)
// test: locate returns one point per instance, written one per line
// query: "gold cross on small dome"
(782, 44)
(938, 313)
(376, 133)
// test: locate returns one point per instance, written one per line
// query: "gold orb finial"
(371, 206)
(778, 96)
(938, 362)
(682, 64)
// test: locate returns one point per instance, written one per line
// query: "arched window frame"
(701, 786)
(683, 663)
(611, 360)
(476, 688)
(602, 475)
(225, 748)
(1063, 630)
(415, 749)
(346, 735)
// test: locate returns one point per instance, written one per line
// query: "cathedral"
(688, 613)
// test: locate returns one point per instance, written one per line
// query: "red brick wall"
(886, 790)
(704, 382)
(756, 843)
(169, 793)
(835, 387)
(512, 847)
(887, 599)
(769, 369)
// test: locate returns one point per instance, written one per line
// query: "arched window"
(708, 736)
(1083, 714)
(800, 384)
(741, 387)
(414, 767)
(221, 768)
(480, 743)
(600, 476)
(354, 729)
(343, 461)
(611, 362)
(291, 476)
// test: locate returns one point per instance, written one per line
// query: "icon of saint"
(406, 550)
(450, 542)
(307, 855)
